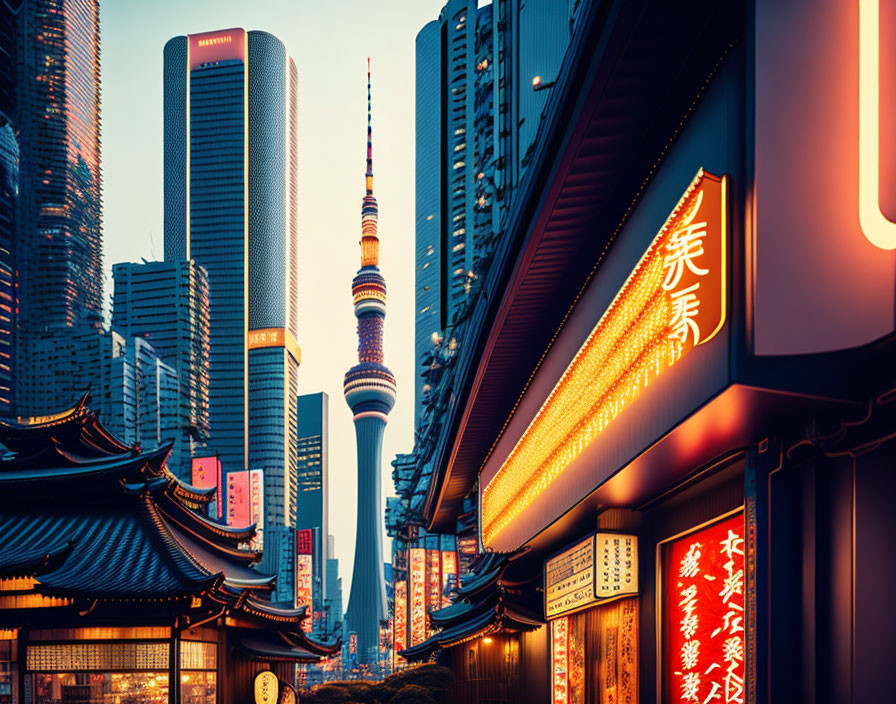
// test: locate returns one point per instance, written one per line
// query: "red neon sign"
(703, 597)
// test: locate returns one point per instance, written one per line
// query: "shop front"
(678, 407)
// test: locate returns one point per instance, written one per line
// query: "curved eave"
(259, 646)
(132, 467)
(29, 563)
(209, 533)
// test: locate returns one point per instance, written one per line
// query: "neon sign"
(417, 559)
(880, 231)
(227, 39)
(560, 661)
(704, 615)
(673, 301)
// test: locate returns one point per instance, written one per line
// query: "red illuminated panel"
(222, 45)
(400, 617)
(418, 595)
(560, 660)
(703, 596)
(303, 586)
(206, 473)
(238, 500)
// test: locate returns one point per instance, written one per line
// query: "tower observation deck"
(370, 393)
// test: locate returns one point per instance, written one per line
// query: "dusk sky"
(330, 43)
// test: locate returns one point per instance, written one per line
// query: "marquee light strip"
(630, 346)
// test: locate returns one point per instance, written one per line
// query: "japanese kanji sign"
(703, 594)
(602, 566)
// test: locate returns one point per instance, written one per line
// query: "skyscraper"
(9, 196)
(457, 167)
(370, 393)
(230, 205)
(58, 245)
(311, 488)
(483, 79)
(166, 303)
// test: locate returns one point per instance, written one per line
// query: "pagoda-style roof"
(487, 603)
(87, 522)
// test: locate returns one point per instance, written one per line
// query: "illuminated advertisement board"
(304, 573)
(400, 616)
(603, 566)
(256, 506)
(238, 508)
(212, 47)
(449, 570)
(560, 661)
(206, 473)
(418, 595)
(433, 582)
(673, 301)
(703, 615)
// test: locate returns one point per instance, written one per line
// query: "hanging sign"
(603, 566)
(267, 687)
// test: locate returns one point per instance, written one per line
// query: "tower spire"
(370, 243)
(369, 137)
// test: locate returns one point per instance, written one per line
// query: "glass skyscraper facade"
(312, 490)
(230, 205)
(166, 303)
(58, 245)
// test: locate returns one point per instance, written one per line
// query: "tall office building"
(58, 244)
(370, 393)
(166, 303)
(483, 77)
(9, 196)
(311, 489)
(230, 205)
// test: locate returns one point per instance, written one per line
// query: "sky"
(330, 42)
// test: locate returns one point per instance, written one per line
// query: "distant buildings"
(311, 490)
(230, 206)
(333, 605)
(370, 393)
(166, 303)
(53, 100)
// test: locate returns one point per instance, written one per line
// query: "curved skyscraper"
(370, 393)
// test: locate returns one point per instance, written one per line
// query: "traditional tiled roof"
(86, 518)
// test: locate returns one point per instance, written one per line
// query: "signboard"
(206, 473)
(703, 615)
(212, 47)
(602, 566)
(417, 557)
(434, 582)
(449, 575)
(305, 573)
(560, 661)
(238, 507)
(673, 301)
(267, 688)
(400, 616)
(256, 506)
(617, 565)
(274, 337)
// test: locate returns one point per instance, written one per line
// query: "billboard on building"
(206, 473)
(256, 506)
(418, 595)
(305, 574)
(238, 505)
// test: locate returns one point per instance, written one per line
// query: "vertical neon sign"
(880, 231)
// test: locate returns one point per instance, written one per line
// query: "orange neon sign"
(673, 301)
(274, 337)
(879, 230)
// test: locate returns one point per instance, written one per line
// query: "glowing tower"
(370, 393)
